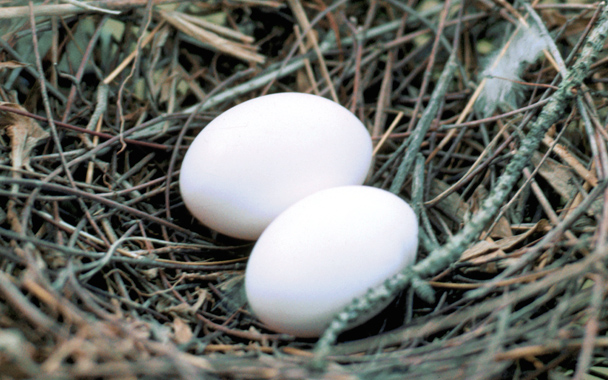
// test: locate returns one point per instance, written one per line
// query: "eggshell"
(323, 251)
(258, 158)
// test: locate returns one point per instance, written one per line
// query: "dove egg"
(325, 250)
(260, 157)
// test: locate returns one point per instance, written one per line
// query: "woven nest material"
(104, 273)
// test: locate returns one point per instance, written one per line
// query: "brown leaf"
(486, 250)
(150, 274)
(559, 176)
(479, 249)
(511, 242)
(452, 204)
(502, 228)
(181, 331)
(25, 133)
(186, 309)
(555, 19)
(563, 180)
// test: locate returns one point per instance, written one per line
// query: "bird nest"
(489, 118)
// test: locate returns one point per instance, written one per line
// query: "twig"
(298, 10)
(85, 130)
(452, 250)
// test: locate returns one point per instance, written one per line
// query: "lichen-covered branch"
(450, 252)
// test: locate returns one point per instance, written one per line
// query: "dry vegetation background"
(104, 274)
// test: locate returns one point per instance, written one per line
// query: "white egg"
(258, 158)
(323, 251)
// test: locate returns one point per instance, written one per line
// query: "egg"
(325, 250)
(258, 158)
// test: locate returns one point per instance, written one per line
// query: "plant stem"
(445, 255)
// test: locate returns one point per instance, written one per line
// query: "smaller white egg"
(325, 250)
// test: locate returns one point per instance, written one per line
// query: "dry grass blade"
(74, 8)
(200, 31)
(11, 65)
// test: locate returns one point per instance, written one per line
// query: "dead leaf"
(562, 179)
(555, 19)
(181, 331)
(557, 175)
(150, 274)
(25, 133)
(185, 309)
(302, 82)
(489, 263)
(452, 204)
(511, 242)
(502, 228)
(479, 249)
(486, 252)
(181, 309)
